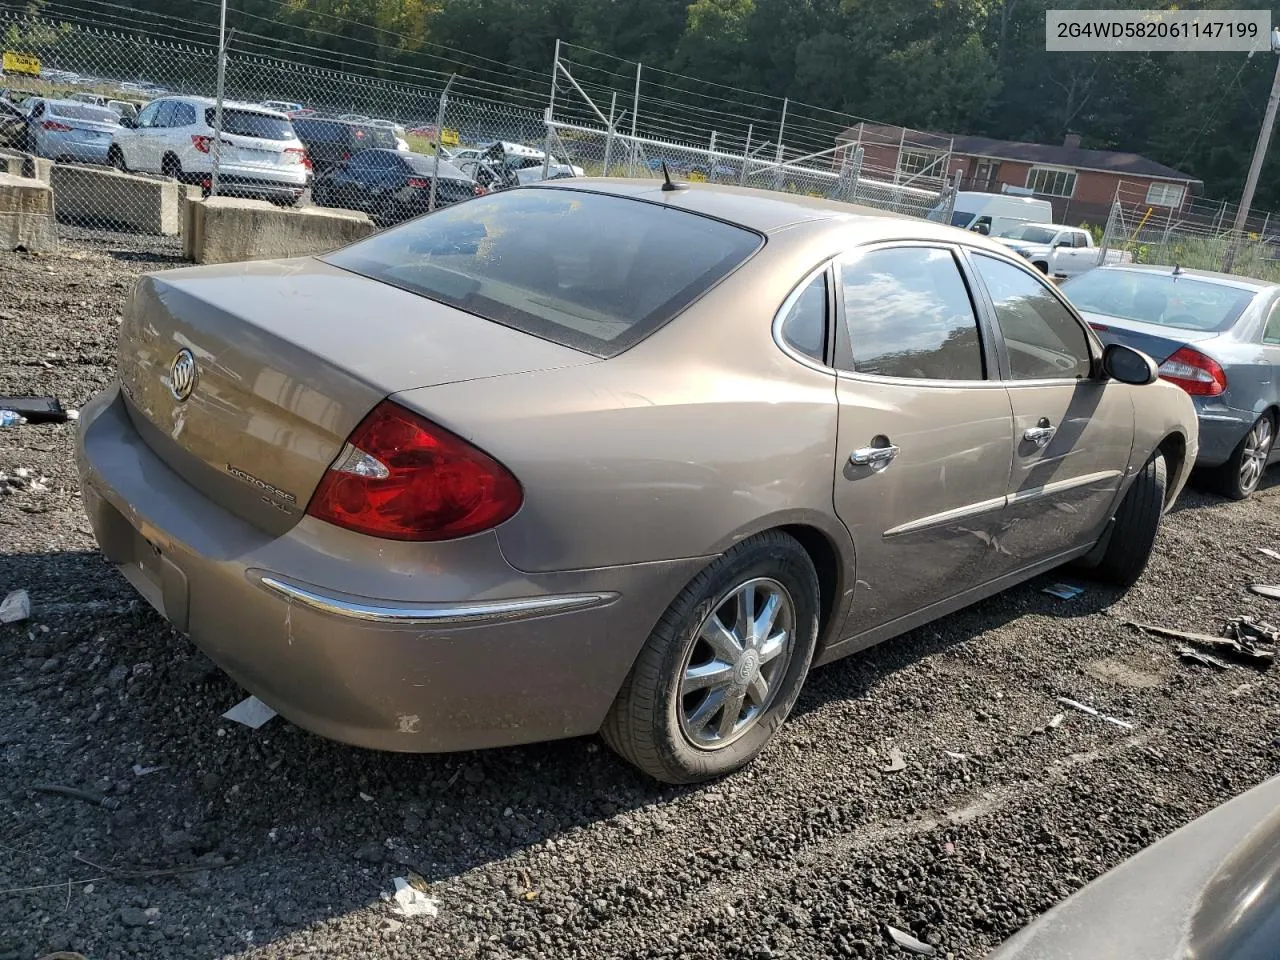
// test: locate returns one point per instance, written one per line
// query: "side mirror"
(1127, 365)
(1061, 243)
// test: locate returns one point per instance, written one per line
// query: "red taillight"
(478, 190)
(297, 155)
(1195, 373)
(56, 126)
(419, 183)
(201, 143)
(345, 157)
(1100, 327)
(402, 477)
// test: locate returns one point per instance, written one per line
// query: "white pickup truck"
(1056, 250)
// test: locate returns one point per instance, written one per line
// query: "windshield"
(1161, 298)
(1031, 234)
(533, 259)
(246, 123)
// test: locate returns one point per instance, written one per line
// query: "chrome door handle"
(877, 458)
(1040, 436)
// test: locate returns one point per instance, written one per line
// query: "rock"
(133, 917)
(372, 852)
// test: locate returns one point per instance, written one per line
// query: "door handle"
(1040, 434)
(877, 458)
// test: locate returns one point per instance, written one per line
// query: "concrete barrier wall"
(228, 229)
(21, 164)
(127, 200)
(26, 215)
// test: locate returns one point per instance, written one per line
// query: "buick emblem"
(182, 374)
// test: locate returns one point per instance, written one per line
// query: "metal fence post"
(551, 111)
(782, 129)
(435, 167)
(949, 203)
(608, 144)
(635, 116)
(746, 155)
(217, 108)
(1113, 221)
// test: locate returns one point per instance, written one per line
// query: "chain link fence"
(1154, 224)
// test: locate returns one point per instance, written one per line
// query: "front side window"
(533, 260)
(1044, 341)
(147, 115)
(909, 315)
(164, 116)
(1052, 181)
(804, 327)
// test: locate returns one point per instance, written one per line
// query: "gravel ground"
(274, 843)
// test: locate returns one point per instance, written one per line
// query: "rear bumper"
(459, 651)
(1221, 430)
(252, 181)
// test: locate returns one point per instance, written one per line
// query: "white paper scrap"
(411, 902)
(250, 711)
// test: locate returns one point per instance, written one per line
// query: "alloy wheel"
(1257, 448)
(736, 663)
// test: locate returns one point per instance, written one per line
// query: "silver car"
(68, 130)
(1216, 336)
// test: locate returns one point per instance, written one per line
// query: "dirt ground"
(276, 844)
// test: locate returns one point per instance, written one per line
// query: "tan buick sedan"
(606, 457)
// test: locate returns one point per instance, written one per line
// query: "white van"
(992, 213)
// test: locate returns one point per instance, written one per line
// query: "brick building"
(1080, 183)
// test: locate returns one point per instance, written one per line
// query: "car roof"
(1212, 276)
(767, 211)
(226, 105)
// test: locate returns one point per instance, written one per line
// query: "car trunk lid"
(289, 357)
(1155, 340)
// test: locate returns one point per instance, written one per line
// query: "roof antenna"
(666, 177)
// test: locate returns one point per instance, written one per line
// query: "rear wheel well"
(826, 561)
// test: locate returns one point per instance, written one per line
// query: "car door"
(922, 461)
(1072, 427)
(385, 175)
(351, 182)
(141, 150)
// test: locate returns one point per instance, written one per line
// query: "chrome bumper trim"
(476, 611)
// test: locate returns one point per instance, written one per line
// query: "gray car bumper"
(1221, 430)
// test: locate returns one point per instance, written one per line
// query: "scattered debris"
(251, 712)
(1063, 591)
(909, 943)
(956, 756)
(1056, 722)
(1192, 655)
(8, 418)
(896, 761)
(15, 607)
(1268, 590)
(140, 771)
(96, 799)
(365, 797)
(35, 409)
(1075, 705)
(408, 901)
(1268, 552)
(1243, 634)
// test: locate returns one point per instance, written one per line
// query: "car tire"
(1239, 477)
(1133, 532)
(171, 166)
(115, 157)
(669, 736)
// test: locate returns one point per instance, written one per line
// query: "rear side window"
(804, 327)
(909, 315)
(246, 123)
(589, 271)
(320, 131)
(1044, 341)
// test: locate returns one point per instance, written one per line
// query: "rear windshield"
(83, 111)
(246, 123)
(589, 271)
(382, 137)
(959, 218)
(1181, 302)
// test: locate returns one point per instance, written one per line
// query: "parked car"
(66, 130)
(1055, 250)
(391, 185)
(288, 107)
(330, 141)
(395, 128)
(121, 108)
(1207, 891)
(992, 213)
(558, 460)
(259, 154)
(1217, 337)
(13, 125)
